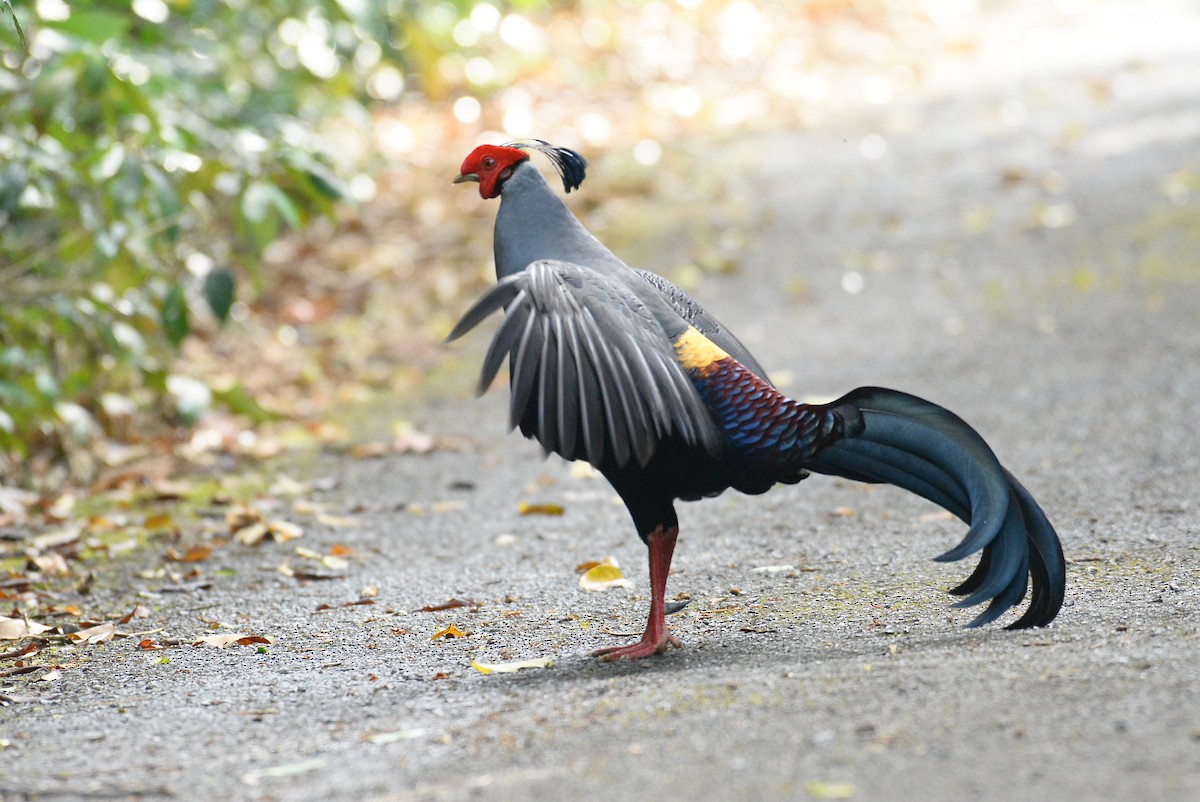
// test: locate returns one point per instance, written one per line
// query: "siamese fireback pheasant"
(619, 367)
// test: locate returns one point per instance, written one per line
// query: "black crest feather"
(570, 165)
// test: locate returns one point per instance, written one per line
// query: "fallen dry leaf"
(285, 485)
(358, 603)
(17, 671)
(194, 554)
(582, 470)
(773, 569)
(605, 575)
(330, 561)
(823, 790)
(369, 450)
(241, 516)
(302, 573)
(509, 668)
(138, 611)
(63, 609)
(449, 632)
(170, 489)
(251, 533)
(226, 639)
(450, 604)
(525, 508)
(250, 640)
(59, 537)
(393, 737)
(287, 770)
(158, 521)
(97, 634)
(29, 648)
(60, 509)
(407, 439)
(336, 521)
(51, 564)
(13, 628)
(283, 531)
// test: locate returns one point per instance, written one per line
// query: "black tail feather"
(916, 445)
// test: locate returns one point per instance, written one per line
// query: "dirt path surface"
(1026, 253)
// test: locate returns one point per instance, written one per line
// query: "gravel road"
(1026, 253)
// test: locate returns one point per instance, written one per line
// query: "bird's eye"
(489, 162)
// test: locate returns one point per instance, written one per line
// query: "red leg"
(655, 639)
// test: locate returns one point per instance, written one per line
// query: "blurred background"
(223, 223)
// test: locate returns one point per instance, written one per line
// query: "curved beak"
(463, 178)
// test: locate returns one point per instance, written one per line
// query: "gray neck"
(533, 223)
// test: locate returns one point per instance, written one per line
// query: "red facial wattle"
(490, 165)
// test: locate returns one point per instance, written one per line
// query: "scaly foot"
(636, 651)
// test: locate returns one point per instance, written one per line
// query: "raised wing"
(594, 373)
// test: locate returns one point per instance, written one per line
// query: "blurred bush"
(149, 151)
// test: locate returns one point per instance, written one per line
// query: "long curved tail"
(903, 440)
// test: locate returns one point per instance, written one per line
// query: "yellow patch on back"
(696, 352)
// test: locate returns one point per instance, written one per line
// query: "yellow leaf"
(525, 508)
(334, 563)
(249, 535)
(582, 470)
(449, 632)
(159, 521)
(283, 531)
(823, 790)
(330, 561)
(509, 668)
(337, 521)
(604, 575)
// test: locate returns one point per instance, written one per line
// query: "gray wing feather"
(593, 372)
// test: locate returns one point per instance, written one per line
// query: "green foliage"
(148, 152)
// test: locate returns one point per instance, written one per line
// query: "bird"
(620, 368)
